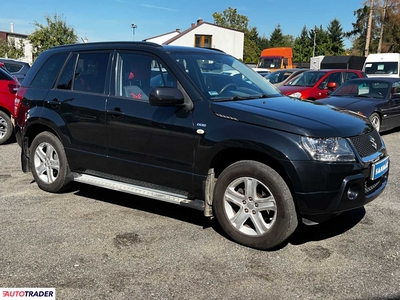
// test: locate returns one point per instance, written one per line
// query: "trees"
(12, 48)
(385, 27)
(229, 18)
(55, 33)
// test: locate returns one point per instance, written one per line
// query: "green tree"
(276, 39)
(335, 36)
(54, 33)
(302, 47)
(12, 49)
(230, 18)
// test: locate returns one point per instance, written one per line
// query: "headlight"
(328, 149)
(296, 95)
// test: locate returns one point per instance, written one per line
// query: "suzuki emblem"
(373, 143)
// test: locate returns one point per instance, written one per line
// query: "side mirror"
(166, 96)
(332, 85)
(396, 96)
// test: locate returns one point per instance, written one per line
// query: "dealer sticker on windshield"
(379, 168)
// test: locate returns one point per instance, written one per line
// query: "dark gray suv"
(198, 128)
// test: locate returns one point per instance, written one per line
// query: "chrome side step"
(139, 191)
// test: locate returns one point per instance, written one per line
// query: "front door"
(148, 143)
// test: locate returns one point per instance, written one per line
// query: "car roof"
(128, 44)
(13, 60)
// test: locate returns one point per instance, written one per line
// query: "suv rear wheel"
(49, 163)
(254, 205)
(6, 127)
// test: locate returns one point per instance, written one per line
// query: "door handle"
(116, 112)
(54, 102)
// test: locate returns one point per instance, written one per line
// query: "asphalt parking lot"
(92, 243)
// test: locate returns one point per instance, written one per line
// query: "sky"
(111, 20)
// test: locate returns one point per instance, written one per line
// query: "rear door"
(78, 102)
(148, 143)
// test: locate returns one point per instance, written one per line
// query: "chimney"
(199, 21)
(178, 30)
(12, 27)
(193, 25)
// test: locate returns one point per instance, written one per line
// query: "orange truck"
(276, 58)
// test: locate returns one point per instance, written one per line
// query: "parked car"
(280, 77)
(231, 146)
(376, 98)
(8, 89)
(16, 67)
(318, 84)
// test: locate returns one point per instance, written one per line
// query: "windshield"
(222, 77)
(270, 62)
(309, 79)
(381, 68)
(364, 88)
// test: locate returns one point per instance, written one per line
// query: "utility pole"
(385, 4)
(134, 26)
(313, 51)
(368, 39)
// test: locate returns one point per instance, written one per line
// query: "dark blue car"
(376, 98)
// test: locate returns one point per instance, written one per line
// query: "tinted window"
(13, 67)
(381, 68)
(67, 76)
(350, 75)
(90, 72)
(47, 75)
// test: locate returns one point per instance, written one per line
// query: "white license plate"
(379, 168)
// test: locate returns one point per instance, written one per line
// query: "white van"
(382, 65)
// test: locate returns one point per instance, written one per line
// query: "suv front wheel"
(49, 163)
(254, 205)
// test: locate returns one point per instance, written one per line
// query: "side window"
(350, 75)
(138, 73)
(90, 72)
(334, 77)
(67, 76)
(48, 73)
(13, 67)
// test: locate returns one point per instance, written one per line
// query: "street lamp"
(134, 26)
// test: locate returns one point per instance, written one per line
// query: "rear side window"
(85, 72)
(48, 73)
(13, 67)
(350, 75)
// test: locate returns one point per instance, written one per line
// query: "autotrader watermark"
(31, 293)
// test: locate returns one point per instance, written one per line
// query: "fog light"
(354, 191)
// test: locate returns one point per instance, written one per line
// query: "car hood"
(287, 89)
(307, 118)
(351, 103)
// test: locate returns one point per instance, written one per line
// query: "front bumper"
(339, 187)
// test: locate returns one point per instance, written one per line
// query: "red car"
(8, 89)
(318, 84)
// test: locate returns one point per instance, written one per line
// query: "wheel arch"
(283, 167)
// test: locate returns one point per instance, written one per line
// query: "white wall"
(227, 40)
(162, 38)
(27, 49)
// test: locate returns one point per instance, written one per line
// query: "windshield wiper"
(243, 97)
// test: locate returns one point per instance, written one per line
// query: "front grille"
(364, 143)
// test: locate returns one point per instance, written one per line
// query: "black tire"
(49, 164)
(375, 121)
(268, 203)
(6, 127)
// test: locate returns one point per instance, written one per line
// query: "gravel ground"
(91, 243)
